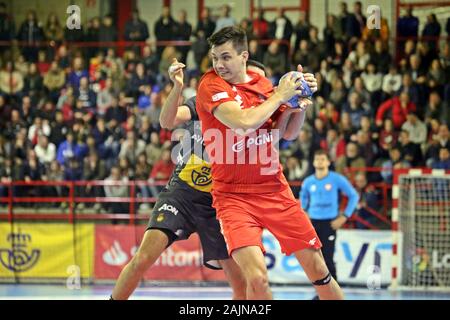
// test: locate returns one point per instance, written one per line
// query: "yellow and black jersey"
(192, 166)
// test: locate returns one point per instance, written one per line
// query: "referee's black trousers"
(328, 238)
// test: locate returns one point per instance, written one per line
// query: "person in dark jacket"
(165, 29)
(30, 33)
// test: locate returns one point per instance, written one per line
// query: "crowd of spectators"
(91, 112)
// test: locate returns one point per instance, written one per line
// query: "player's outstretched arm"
(173, 115)
(231, 114)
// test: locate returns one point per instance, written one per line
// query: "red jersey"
(240, 164)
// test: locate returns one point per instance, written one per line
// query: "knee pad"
(323, 281)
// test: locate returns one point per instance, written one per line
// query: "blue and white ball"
(306, 90)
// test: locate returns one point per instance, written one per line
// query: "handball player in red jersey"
(238, 109)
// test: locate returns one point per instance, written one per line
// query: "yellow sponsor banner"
(46, 250)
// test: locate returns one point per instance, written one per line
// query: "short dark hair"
(321, 152)
(236, 35)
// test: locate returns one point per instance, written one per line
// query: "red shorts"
(244, 216)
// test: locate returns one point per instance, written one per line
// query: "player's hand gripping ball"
(306, 90)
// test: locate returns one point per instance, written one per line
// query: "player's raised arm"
(173, 115)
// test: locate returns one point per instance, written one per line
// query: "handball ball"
(306, 91)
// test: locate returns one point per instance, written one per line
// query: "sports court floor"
(102, 292)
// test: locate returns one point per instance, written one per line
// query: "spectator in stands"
(329, 34)
(411, 88)
(368, 200)
(372, 82)
(169, 53)
(306, 56)
(77, 73)
(53, 30)
(416, 128)
(359, 87)
(399, 107)
(105, 97)
(281, 29)
(391, 83)
(142, 173)
(366, 147)
(131, 148)
(355, 109)
(135, 28)
(275, 62)
(86, 95)
(410, 151)
(225, 20)
(444, 159)
(337, 59)
(301, 29)
(395, 162)
(436, 109)
(33, 170)
(118, 110)
(94, 169)
(117, 188)
(436, 75)
(342, 19)
(191, 90)
(33, 84)
(161, 171)
(388, 138)
(11, 81)
(154, 149)
(165, 28)
(432, 31)
(144, 100)
(355, 22)
(45, 150)
(183, 33)
(416, 69)
(30, 33)
(246, 25)
(345, 126)
(442, 140)
(68, 149)
(151, 62)
(39, 127)
(351, 160)
(360, 57)
(7, 27)
(14, 126)
(108, 31)
(335, 145)
(200, 48)
(260, 25)
(205, 24)
(338, 94)
(408, 25)
(5, 112)
(381, 57)
(329, 114)
(54, 80)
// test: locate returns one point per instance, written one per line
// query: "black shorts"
(181, 211)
